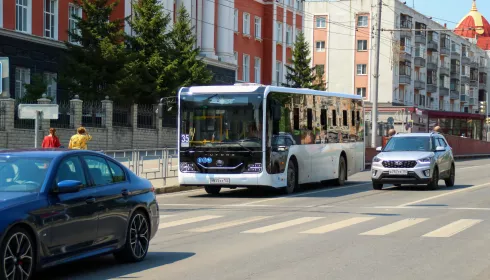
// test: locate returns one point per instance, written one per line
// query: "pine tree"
(96, 55)
(300, 74)
(36, 88)
(191, 70)
(149, 69)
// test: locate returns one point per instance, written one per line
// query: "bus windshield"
(221, 120)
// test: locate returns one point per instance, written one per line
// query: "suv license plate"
(219, 181)
(398, 172)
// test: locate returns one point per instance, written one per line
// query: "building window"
(362, 21)
(279, 32)
(361, 45)
(50, 80)
(257, 70)
(22, 20)
(361, 91)
(74, 13)
(246, 68)
(289, 35)
(361, 69)
(321, 22)
(320, 46)
(235, 20)
(236, 71)
(258, 27)
(279, 73)
(246, 23)
(22, 78)
(49, 19)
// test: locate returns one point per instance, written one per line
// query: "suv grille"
(399, 163)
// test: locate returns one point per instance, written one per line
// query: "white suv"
(414, 159)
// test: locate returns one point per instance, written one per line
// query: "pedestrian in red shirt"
(51, 141)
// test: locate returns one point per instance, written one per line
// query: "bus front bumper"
(232, 180)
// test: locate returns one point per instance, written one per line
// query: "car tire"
(452, 176)
(342, 172)
(23, 260)
(212, 189)
(292, 178)
(434, 184)
(377, 186)
(139, 235)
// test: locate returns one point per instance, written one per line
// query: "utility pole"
(374, 112)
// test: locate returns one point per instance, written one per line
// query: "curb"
(175, 188)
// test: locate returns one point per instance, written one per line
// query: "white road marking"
(165, 216)
(187, 221)
(228, 224)
(283, 225)
(396, 226)
(445, 194)
(474, 166)
(453, 228)
(338, 225)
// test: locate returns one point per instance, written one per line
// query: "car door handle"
(90, 200)
(125, 193)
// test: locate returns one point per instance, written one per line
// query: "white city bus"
(265, 136)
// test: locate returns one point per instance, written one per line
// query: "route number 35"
(184, 138)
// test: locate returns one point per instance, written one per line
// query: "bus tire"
(212, 189)
(342, 172)
(292, 179)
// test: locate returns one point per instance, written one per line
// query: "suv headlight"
(425, 160)
(376, 159)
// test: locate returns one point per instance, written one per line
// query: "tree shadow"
(106, 267)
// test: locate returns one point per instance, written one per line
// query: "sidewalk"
(170, 185)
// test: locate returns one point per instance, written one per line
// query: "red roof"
(484, 43)
(469, 22)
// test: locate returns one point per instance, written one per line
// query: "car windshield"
(402, 144)
(22, 174)
(221, 120)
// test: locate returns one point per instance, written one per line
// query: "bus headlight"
(188, 167)
(254, 168)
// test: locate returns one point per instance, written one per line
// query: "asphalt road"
(350, 232)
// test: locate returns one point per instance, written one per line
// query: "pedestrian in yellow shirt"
(79, 140)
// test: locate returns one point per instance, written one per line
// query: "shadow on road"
(106, 267)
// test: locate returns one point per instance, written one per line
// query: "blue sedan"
(58, 206)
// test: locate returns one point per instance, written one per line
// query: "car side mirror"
(440, 149)
(69, 186)
(378, 149)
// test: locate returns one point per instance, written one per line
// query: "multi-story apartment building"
(423, 64)
(246, 41)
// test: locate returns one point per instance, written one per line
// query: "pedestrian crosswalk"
(371, 226)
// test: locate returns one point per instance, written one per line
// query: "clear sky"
(449, 11)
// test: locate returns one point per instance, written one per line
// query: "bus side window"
(323, 118)
(296, 118)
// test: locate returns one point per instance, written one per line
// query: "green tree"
(190, 69)
(36, 88)
(96, 54)
(300, 74)
(319, 83)
(149, 72)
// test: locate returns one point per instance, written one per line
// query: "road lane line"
(453, 228)
(229, 224)
(282, 225)
(165, 216)
(187, 221)
(396, 226)
(445, 194)
(338, 225)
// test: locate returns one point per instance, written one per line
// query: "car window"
(71, 169)
(117, 172)
(99, 170)
(21, 174)
(442, 142)
(289, 142)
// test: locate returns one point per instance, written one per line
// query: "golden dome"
(473, 24)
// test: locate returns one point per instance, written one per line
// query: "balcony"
(483, 85)
(405, 79)
(454, 94)
(419, 84)
(455, 72)
(482, 68)
(405, 53)
(405, 29)
(473, 83)
(419, 60)
(443, 91)
(445, 49)
(432, 63)
(444, 70)
(455, 53)
(465, 60)
(420, 38)
(431, 87)
(472, 101)
(464, 98)
(465, 79)
(474, 63)
(432, 45)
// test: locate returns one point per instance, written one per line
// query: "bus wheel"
(342, 172)
(292, 182)
(212, 189)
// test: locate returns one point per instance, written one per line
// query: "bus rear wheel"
(212, 189)
(292, 181)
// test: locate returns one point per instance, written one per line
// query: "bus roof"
(266, 89)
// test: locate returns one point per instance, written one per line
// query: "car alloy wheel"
(139, 236)
(18, 257)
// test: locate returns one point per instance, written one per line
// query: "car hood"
(9, 199)
(404, 155)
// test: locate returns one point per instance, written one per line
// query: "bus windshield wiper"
(239, 144)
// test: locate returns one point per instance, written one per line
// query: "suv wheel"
(434, 184)
(377, 186)
(452, 174)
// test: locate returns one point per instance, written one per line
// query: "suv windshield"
(22, 174)
(401, 144)
(221, 120)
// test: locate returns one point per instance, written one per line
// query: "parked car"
(415, 158)
(58, 206)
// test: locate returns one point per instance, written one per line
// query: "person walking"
(437, 129)
(51, 140)
(79, 141)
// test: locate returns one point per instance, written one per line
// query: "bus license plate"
(219, 181)
(398, 172)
